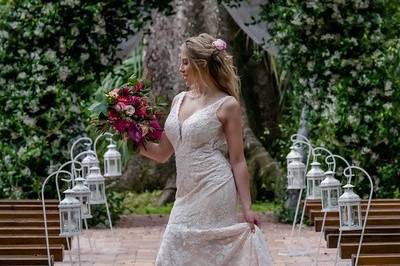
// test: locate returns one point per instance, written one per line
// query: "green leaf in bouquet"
(132, 80)
(146, 82)
(98, 107)
(161, 101)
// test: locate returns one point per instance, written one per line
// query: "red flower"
(155, 131)
(113, 115)
(124, 91)
(142, 111)
(139, 86)
(122, 125)
(127, 100)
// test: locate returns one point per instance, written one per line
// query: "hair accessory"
(219, 44)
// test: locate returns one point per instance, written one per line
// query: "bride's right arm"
(159, 152)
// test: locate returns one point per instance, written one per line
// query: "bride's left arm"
(230, 114)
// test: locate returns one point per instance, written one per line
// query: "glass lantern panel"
(334, 197)
(85, 170)
(92, 188)
(309, 187)
(325, 199)
(343, 216)
(298, 177)
(101, 191)
(64, 221)
(317, 189)
(290, 181)
(75, 221)
(105, 166)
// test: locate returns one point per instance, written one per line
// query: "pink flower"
(120, 106)
(129, 109)
(114, 93)
(219, 44)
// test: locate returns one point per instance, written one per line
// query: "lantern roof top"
(69, 201)
(349, 196)
(315, 170)
(330, 180)
(293, 154)
(94, 175)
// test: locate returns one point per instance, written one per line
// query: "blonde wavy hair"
(206, 59)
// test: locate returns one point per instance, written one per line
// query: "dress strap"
(219, 102)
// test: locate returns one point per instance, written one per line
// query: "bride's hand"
(251, 218)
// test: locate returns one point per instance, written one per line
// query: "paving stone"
(138, 246)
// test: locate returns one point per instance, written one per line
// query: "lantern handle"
(87, 139)
(314, 152)
(73, 170)
(295, 137)
(348, 169)
(97, 139)
(333, 156)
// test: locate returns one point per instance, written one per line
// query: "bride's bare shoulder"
(229, 108)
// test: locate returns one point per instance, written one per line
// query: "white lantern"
(330, 190)
(95, 182)
(314, 178)
(295, 175)
(70, 215)
(294, 154)
(350, 209)
(82, 193)
(89, 161)
(112, 162)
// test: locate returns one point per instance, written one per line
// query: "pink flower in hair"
(219, 44)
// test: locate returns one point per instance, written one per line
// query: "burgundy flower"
(135, 133)
(142, 111)
(124, 91)
(113, 115)
(127, 100)
(156, 130)
(139, 86)
(121, 125)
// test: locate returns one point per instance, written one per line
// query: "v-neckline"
(199, 110)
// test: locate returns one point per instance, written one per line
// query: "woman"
(204, 131)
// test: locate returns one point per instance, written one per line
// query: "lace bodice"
(202, 129)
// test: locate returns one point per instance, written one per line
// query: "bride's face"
(185, 69)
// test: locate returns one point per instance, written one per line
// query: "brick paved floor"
(138, 245)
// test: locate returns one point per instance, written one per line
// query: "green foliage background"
(53, 55)
(343, 60)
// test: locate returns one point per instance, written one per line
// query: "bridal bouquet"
(127, 110)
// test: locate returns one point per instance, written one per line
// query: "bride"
(204, 131)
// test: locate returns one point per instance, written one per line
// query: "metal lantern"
(82, 193)
(294, 154)
(330, 190)
(95, 182)
(88, 162)
(295, 176)
(70, 215)
(350, 209)
(314, 178)
(112, 161)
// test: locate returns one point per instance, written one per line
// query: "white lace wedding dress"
(203, 228)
